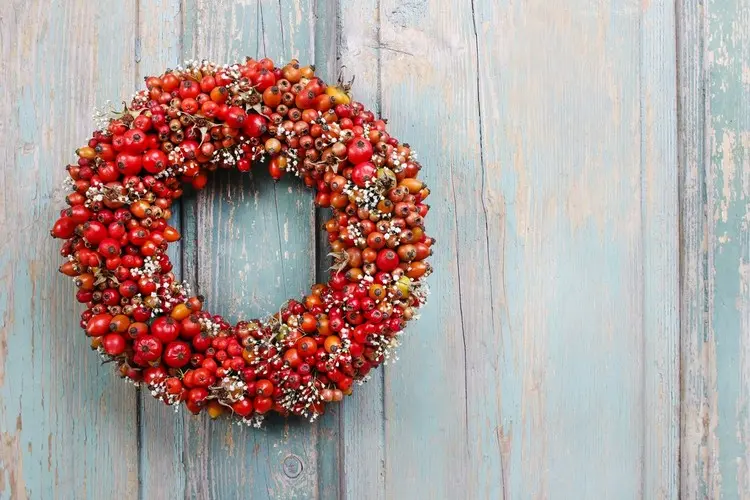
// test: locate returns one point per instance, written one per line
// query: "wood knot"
(292, 466)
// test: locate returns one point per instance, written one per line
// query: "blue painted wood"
(697, 347)
(330, 427)
(660, 207)
(538, 348)
(715, 147)
(546, 363)
(429, 95)
(579, 167)
(363, 429)
(161, 444)
(255, 249)
(67, 425)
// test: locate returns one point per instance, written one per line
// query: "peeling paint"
(11, 464)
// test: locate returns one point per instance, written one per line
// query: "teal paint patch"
(728, 53)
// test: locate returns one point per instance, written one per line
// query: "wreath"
(187, 123)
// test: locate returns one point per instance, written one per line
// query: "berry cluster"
(187, 123)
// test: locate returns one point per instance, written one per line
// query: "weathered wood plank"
(660, 267)
(330, 464)
(363, 414)
(68, 425)
(545, 363)
(195, 439)
(576, 123)
(715, 149)
(429, 97)
(549, 239)
(161, 471)
(255, 248)
(697, 352)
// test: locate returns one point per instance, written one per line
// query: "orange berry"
(332, 343)
(180, 312)
(215, 409)
(309, 323)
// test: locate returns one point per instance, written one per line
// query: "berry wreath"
(189, 122)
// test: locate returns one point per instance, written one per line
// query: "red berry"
(64, 228)
(363, 173)
(201, 342)
(129, 163)
(292, 358)
(387, 260)
(356, 350)
(154, 161)
(78, 213)
(274, 169)
(109, 248)
(174, 386)
(307, 346)
(94, 232)
(108, 171)
(209, 109)
(359, 150)
(190, 327)
(189, 89)
(202, 377)
(98, 325)
(243, 165)
(141, 313)
(236, 117)
(133, 374)
(138, 236)
(177, 354)
(345, 383)
(149, 249)
(142, 122)
(154, 375)
(110, 297)
(234, 349)
(243, 407)
(165, 328)
(196, 399)
(189, 106)
(147, 347)
(207, 83)
(128, 288)
(264, 80)
(209, 364)
(135, 141)
(264, 388)
(254, 125)
(262, 404)
(116, 230)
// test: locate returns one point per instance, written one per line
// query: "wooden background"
(588, 334)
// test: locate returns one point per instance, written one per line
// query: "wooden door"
(587, 332)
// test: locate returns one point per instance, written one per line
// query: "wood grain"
(715, 152)
(589, 163)
(67, 426)
(330, 427)
(161, 447)
(255, 249)
(551, 225)
(661, 252)
(429, 439)
(697, 353)
(363, 426)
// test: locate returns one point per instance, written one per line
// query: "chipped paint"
(715, 438)
(727, 172)
(561, 217)
(12, 481)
